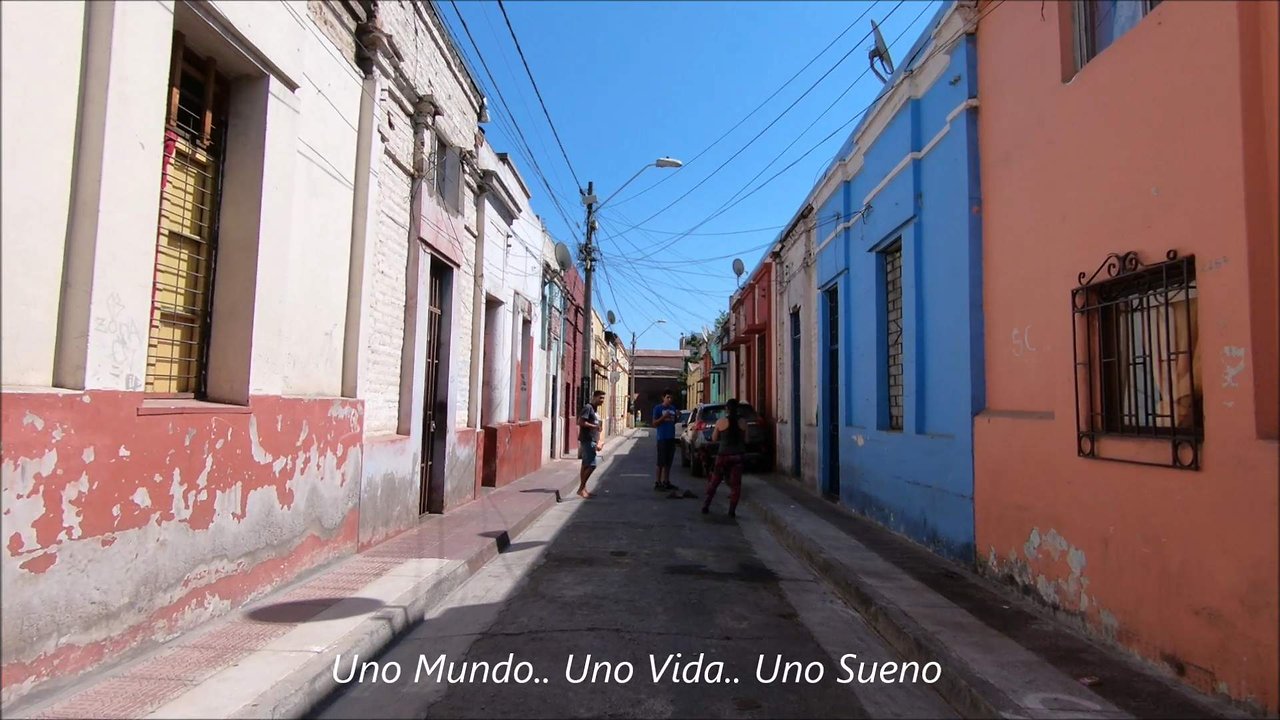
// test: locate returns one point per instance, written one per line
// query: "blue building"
(899, 276)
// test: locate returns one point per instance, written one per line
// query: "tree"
(721, 321)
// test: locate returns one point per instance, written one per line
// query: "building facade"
(229, 228)
(512, 385)
(751, 340)
(899, 280)
(571, 370)
(407, 339)
(656, 371)
(795, 347)
(1127, 458)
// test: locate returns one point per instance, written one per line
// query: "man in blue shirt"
(664, 422)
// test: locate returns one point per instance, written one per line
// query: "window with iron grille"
(1099, 23)
(187, 242)
(1136, 344)
(891, 261)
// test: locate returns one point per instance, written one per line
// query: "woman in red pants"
(731, 435)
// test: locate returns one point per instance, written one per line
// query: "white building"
(795, 335)
(236, 306)
(510, 395)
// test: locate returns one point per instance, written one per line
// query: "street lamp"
(588, 264)
(632, 391)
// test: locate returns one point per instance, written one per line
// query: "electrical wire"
(938, 48)
(773, 122)
(828, 109)
(533, 82)
(783, 86)
(528, 148)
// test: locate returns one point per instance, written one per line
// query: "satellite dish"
(880, 52)
(563, 258)
(738, 267)
(611, 317)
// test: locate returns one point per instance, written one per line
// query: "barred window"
(1136, 343)
(187, 242)
(892, 264)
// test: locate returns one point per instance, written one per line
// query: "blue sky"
(628, 82)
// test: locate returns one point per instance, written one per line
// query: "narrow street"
(627, 576)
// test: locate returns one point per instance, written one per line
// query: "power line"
(533, 82)
(823, 114)
(527, 147)
(773, 122)
(783, 86)
(938, 48)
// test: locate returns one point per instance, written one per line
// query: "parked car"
(697, 449)
(682, 423)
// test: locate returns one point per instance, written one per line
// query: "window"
(1136, 347)
(187, 242)
(440, 167)
(1099, 23)
(891, 262)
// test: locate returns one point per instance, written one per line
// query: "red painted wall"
(571, 367)
(511, 451)
(1166, 140)
(169, 518)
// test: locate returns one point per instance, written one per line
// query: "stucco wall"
(227, 500)
(796, 289)
(1179, 566)
(916, 167)
(37, 171)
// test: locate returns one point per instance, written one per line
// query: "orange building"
(1126, 465)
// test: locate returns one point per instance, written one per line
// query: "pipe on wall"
(477, 310)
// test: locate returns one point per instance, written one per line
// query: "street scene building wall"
(512, 383)
(1163, 560)
(899, 262)
(795, 348)
(231, 469)
(408, 330)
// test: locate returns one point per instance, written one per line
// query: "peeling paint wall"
(120, 529)
(1180, 567)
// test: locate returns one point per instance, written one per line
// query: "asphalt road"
(598, 596)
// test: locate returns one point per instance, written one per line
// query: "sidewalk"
(1001, 655)
(274, 658)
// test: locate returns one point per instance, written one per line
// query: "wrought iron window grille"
(1134, 338)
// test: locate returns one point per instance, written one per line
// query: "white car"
(682, 423)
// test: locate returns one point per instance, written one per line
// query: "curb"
(965, 691)
(304, 689)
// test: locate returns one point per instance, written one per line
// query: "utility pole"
(631, 378)
(588, 270)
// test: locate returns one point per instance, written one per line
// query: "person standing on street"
(664, 423)
(589, 444)
(731, 434)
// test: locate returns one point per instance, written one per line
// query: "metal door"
(428, 497)
(833, 394)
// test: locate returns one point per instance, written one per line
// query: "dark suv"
(697, 449)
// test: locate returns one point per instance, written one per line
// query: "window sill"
(165, 406)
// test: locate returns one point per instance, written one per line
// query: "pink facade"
(1163, 142)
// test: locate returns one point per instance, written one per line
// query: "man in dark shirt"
(589, 440)
(664, 424)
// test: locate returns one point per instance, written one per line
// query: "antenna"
(563, 258)
(611, 317)
(880, 52)
(738, 269)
